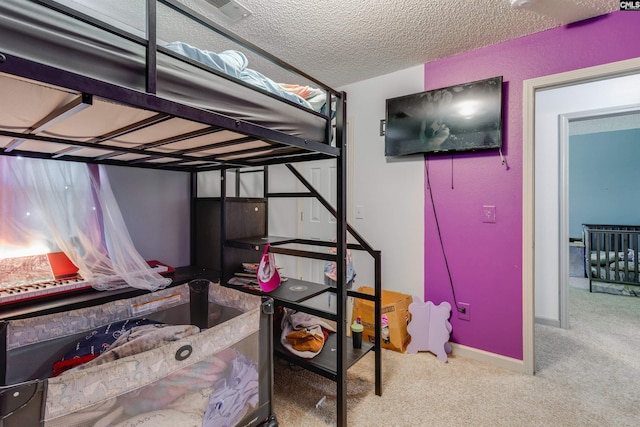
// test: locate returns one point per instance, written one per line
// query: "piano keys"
(37, 276)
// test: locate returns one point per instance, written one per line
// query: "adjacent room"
(257, 214)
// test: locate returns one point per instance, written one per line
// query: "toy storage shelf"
(319, 300)
(243, 234)
(325, 363)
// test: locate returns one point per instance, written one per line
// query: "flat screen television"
(458, 118)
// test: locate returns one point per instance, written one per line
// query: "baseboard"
(498, 360)
(548, 322)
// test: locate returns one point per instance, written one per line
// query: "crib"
(611, 258)
(217, 374)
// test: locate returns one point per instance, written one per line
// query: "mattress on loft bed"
(217, 376)
(40, 34)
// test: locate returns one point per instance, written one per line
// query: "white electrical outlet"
(488, 213)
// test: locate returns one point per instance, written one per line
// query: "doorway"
(605, 185)
(539, 283)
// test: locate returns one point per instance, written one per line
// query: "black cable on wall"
(444, 254)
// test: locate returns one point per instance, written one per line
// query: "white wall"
(283, 214)
(612, 93)
(155, 206)
(390, 191)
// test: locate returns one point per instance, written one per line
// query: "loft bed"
(114, 85)
(111, 96)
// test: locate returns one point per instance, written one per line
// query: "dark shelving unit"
(318, 300)
(243, 233)
(325, 363)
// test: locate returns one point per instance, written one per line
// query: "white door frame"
(600, 72)
(564, 126)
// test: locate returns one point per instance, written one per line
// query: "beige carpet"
(588, 375)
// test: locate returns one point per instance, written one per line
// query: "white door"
(315, 221)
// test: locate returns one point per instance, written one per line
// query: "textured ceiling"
(344, 41)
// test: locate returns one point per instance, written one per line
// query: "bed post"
(151, 69)
(341, 261)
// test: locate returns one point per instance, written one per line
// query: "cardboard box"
(395, 307)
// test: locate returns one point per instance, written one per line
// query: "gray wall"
(603, 179)
(155, 207)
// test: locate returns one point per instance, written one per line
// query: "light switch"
(488, 213)
(359, 212)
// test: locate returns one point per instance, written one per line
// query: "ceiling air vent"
(230, 10)
(562, 11)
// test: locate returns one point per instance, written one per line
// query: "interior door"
(315, 221)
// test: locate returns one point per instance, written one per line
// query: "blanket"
(97, 342)
(140, 339)
(314, 96)
(218, 391)
(303, 334)
(235, 64)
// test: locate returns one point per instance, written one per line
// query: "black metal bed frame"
(311, 150)
(90, 87)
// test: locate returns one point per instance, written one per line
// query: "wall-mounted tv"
(463, 117)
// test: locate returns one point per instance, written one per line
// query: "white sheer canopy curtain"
(52, 206)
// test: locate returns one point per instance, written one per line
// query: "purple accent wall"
(485, 259)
